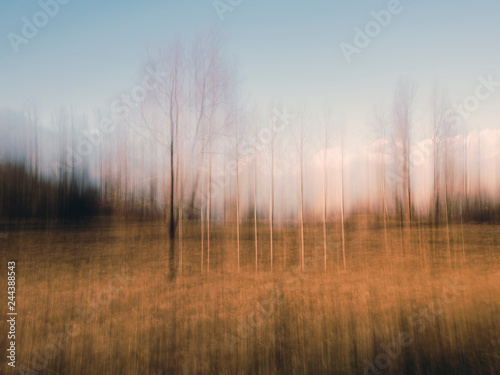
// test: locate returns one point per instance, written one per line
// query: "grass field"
(95, 299)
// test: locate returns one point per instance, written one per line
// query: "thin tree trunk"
(447, 224)
(324, 197)
(208, 205)
(447, 219)
(237, 203)
(271, 203)
(421, 240)
(302, 205)
(179, 180)
(285, 227)
(384, 203)
(464, 196)
(387, 247)
(342, 206)
(171, 215)
(255, 213)
(180, 236)
(202, 217)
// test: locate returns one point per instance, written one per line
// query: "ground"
(95, 298)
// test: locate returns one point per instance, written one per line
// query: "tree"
(403, 101)
(402, 111)
(271, 198)
(237, 193)
(381, 122)
(256, 128)
(302, 141)
(342, 197)
(442, 136)
(325, 184)
(190, 91)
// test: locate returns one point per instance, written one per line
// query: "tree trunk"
(255, 213)
(301, 206)
(171, 232)
(271, 203)
(342, 205)
(324, 203)
(237, 203)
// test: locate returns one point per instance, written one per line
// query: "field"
(96, 299)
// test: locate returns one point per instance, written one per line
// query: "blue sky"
(90, 51)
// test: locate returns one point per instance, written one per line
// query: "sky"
(90, 51)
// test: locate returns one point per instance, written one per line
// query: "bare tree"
(403, 101)
(237, 195)
(302, 141)
(342, 197)
(216, 83)
(256, 128)
(442, 133)
(209, 200)
(271, 199)
(402, 111)
(325, 184)
(381, 122)
(180, 197)
(192, 93)
(169, 99)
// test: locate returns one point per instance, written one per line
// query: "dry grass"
(227, 323)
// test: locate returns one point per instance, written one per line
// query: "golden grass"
(107, 285)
